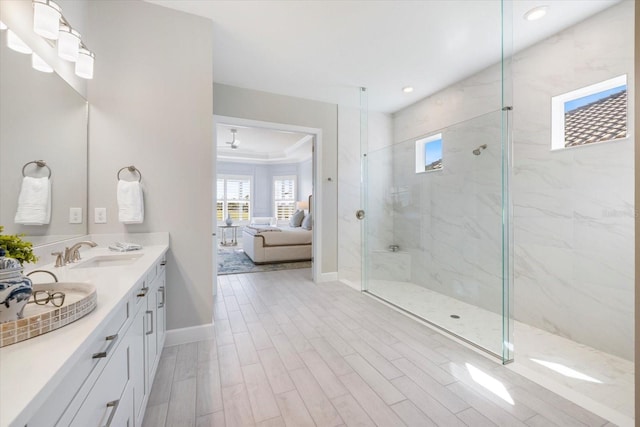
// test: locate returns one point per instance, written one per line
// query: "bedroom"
(264, 177)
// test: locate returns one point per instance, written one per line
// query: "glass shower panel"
(435, 238)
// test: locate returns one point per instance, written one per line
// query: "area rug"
(232, 261)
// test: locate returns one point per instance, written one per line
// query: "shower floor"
(593, 379)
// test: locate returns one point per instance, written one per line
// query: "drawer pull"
(113, 339)
(161, 303)
(151, 323)
(143, 292)
(114, 408)
(163, 263)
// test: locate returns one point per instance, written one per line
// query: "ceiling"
(326, 50)
(259, 145)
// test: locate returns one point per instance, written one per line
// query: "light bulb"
(38, 64)
(536, 13)
(84, 64)
(46, 19)
(68, 43)
(15, 43)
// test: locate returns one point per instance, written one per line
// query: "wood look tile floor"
(288, 352)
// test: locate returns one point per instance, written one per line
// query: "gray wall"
(263, 181)
(255, 105)
(151, 107)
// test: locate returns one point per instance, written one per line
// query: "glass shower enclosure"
(437, 222)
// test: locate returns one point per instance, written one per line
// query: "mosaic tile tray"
(80, 300)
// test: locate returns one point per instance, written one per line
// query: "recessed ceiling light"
(536, 13)
(407, 89)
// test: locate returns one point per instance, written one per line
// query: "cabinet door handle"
(161, 290)
(151, 322)
(163, 263)
(114, 408)
(143, 292)
(113, 339)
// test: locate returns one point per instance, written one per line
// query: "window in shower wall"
(592, 114)
(429, 153)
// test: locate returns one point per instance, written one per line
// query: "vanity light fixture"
(536, 13)
(46, 18)
(38, 64)
(407, 89)
(3, 26)
(50, 23)
(68, 43)
(15, 43)
(84, 64)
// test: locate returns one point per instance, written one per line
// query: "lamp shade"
(15, 43)
(68, 43)
(46, 19)
(84, 64)
(38, 64)
(302, 205)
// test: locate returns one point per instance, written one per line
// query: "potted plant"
(17, 248)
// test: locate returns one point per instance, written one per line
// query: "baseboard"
(190, 334)
(327, 277)
(350, 284)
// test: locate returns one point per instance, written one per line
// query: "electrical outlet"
(100, 216)
(75, 215)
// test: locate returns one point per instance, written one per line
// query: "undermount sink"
(109, 261)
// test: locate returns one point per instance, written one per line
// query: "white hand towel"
(130, 202)
(34, 202)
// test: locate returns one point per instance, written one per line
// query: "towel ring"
(39, 163)
(131, 169)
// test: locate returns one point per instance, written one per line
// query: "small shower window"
(592, 114)
(429, 154)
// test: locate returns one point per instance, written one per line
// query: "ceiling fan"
(234, 142)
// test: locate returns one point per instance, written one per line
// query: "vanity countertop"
(32, 369)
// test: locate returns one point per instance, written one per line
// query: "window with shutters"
(284, 196)
(234, 198)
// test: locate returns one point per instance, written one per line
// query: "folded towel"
(34, 202)
(124, 247)
(130, 202)
(262, 228)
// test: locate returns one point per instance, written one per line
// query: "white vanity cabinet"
(114, 387)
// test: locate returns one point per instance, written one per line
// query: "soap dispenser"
(15, 288)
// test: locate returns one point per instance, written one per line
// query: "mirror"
(41, 118)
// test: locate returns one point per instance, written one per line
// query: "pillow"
(296, 219)
(307, 222)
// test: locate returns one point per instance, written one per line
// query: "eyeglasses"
(43, 297)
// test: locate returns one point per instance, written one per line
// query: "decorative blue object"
(229, 220)
(15, 288)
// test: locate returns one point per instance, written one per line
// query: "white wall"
(255, 105)
(573, 209)
(151, 107)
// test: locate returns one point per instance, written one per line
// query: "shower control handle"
(360, 214)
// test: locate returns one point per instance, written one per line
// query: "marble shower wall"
(450, 220)
(573, 209)
(349, 228)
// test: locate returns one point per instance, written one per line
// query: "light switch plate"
(100, 216)
(75, 215)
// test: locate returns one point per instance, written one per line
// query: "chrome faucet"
(72, 254)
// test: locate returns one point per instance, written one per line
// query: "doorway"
(265, 171)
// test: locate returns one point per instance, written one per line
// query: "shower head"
(478, 150)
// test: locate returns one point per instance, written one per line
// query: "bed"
(266, 244)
